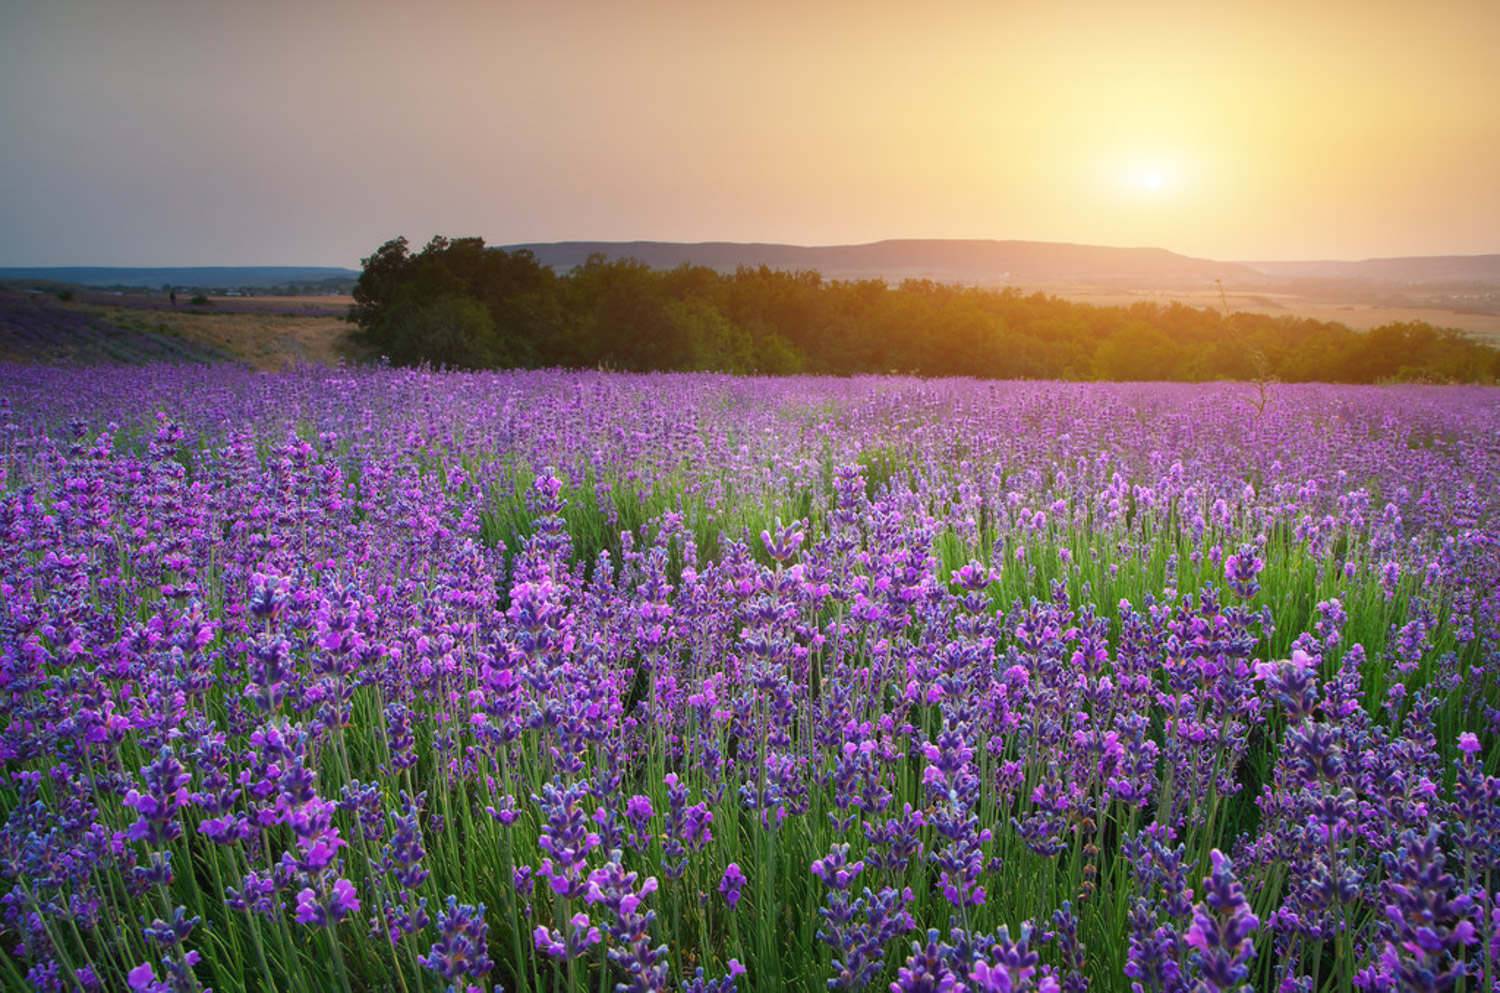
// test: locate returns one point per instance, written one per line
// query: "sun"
(1151, 178)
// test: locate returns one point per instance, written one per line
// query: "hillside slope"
(949, 260)
(36, 327)
(1416, 270)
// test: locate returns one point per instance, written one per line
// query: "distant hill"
(954, 260)
(1418, 270)
(192, 277)
(979, 261)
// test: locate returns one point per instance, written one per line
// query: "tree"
(1137, 352)
(453, 331)
(461, 302)
(379, 279)
(710, 341)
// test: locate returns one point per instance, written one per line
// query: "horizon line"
(355, 266)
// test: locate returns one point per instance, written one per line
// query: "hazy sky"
(306, 133)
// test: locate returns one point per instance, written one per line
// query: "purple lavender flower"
(857, 928)
(267, 622)
(1221, 929)
(639, 812)
(1428, 921)
(1010, 966)
(166, 793)
(461, 952)
(723, 984)
(579, 938)
(784, 544)
(1241, 569)
(324, 910)
(730, 885)
(565, 838)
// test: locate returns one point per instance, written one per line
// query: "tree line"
(460, 303)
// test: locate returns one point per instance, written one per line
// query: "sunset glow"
(1373, 125)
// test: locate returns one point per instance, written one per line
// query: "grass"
(261, 340)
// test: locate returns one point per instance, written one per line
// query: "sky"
(217, 133)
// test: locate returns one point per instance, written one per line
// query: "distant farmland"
(319, 305)
(1360, 316)
(133, 330)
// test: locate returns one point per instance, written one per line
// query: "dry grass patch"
(265, 341)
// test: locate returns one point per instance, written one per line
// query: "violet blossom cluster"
(539, 680)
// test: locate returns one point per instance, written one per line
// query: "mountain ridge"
(944, 259)
(189, 277)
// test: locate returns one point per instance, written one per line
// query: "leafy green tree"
(453, 331)
(712, 343)
(1138, 352)
(382, 274)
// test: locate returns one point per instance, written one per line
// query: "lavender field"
(365, 679)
